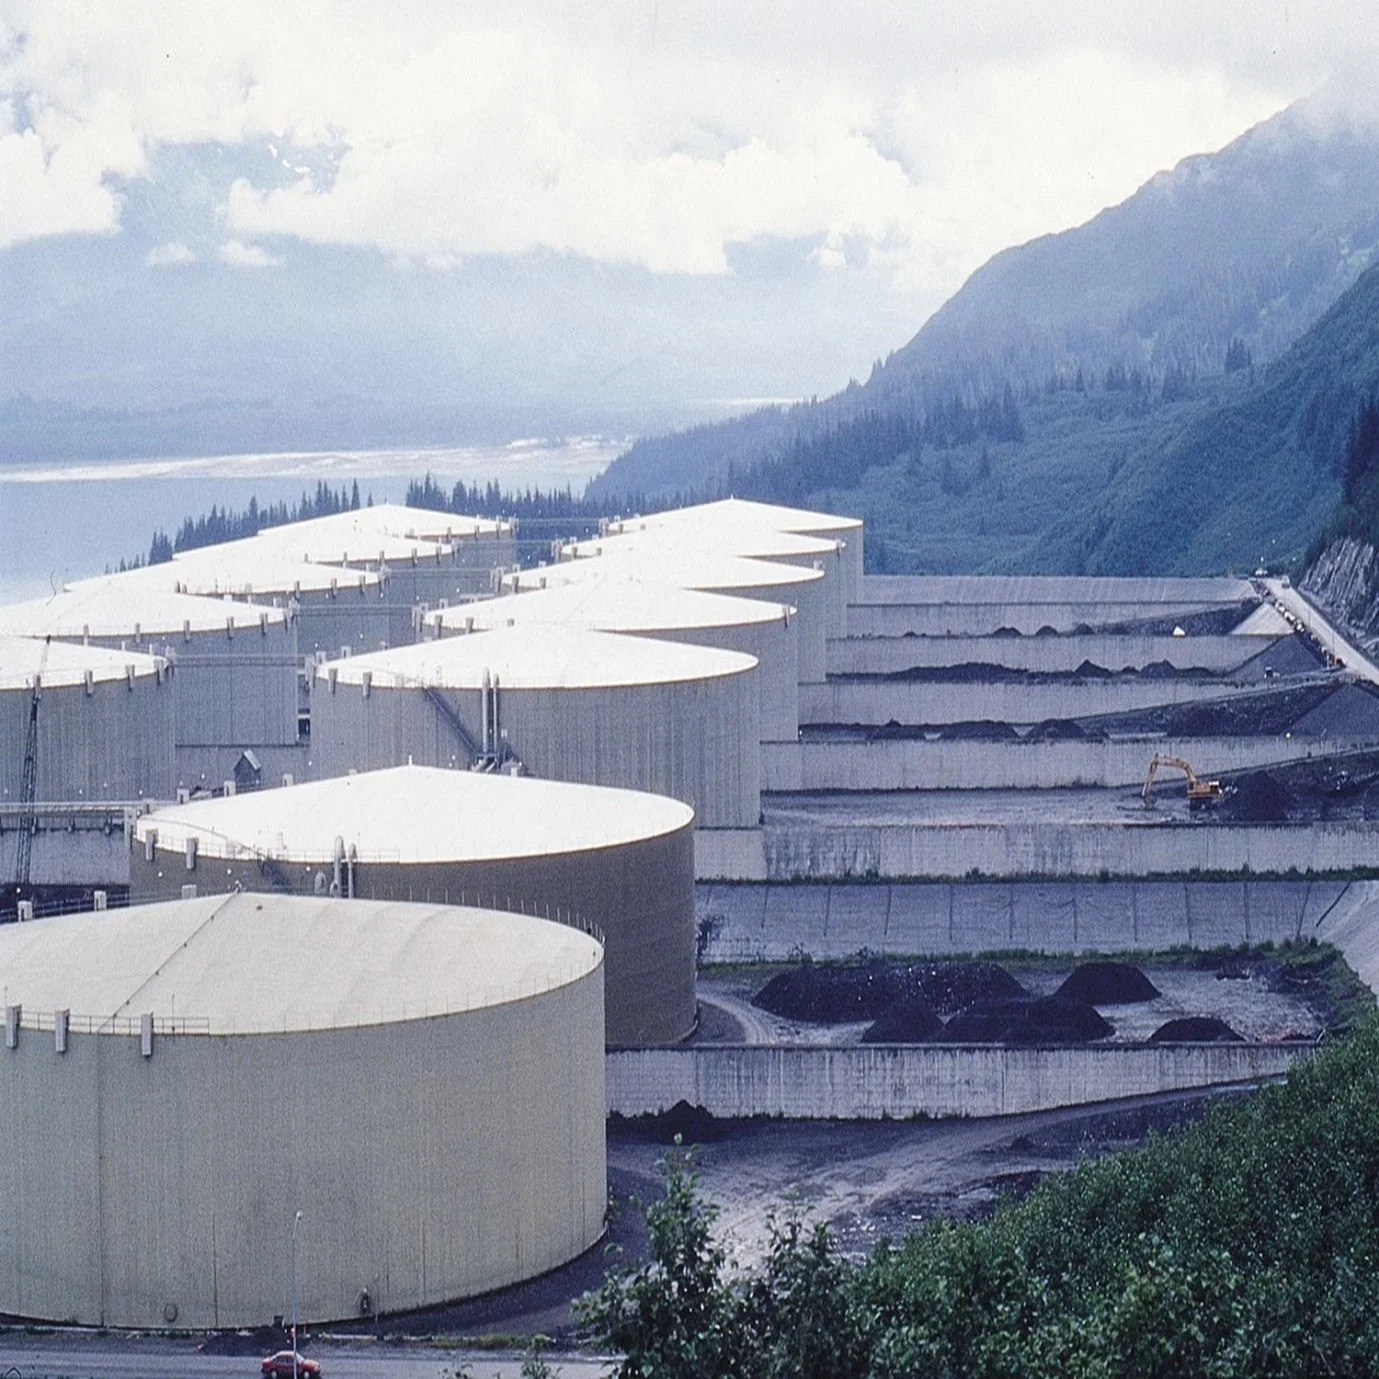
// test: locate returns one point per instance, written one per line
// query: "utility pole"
(296, 1220)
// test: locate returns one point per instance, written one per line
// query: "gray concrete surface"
(958, 701)
(871, 1082)
(756, 923)
(886, 655)
(1051, 763)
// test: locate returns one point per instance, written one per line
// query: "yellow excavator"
(1199, 792)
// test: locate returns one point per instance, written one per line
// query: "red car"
(280, 1366)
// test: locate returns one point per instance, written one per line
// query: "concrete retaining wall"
(896, 1081)
(757, 923)
(885, 655)
(1017, 849)
(954, 701)
(971, 765)
(982, 619)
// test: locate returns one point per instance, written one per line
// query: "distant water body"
(62, 521)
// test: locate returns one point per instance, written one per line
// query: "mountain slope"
(1252, 478)
(1252, 243)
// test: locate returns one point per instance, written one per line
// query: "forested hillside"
(1085, 402)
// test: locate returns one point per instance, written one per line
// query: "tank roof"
(614, 607)
(703, 570)
(109, 609)
(417, 814)
(399, 520)
(556, 658)
(770, 515)
(250, 963)
(67, 663)
(340, 546)
(695, 535)
(240, 569)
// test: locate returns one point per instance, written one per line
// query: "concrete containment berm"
(423, 1083)
(618, 859)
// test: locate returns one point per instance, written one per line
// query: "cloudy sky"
(830, 169)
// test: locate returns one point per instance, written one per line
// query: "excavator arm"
(1198, 791)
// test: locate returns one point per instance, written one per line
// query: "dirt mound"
(912, 1021)
(1195, 1029)
(1210, 622)
(836, 993)
(1089, 670)
(1257, 798)
(1107, 984)
(1290, 655)
(1055, 730)
(1025, 1022)
(978, 730)
(1348, 711)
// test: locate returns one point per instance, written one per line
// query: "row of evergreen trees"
(228, 524)
(529, 504)
(837, 456)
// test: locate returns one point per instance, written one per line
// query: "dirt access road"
(1322, 629)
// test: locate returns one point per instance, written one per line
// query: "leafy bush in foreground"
(1245, 1245)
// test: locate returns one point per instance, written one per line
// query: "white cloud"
(174, 254)
(916, 140)
(240, 255)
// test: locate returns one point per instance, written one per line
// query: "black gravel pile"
(979, 730)
(1107, 984)
(1055, 730)
(1211, 622)
(913, 1021)
(1026, 1022)
(1258, 797)
(1195, 1029)
(1089, 670)
(835, 993)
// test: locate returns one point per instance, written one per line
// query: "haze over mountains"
(1111, 343)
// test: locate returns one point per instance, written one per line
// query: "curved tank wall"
(619, 859)
(106, 722)
(574, 705)
(423, 1083)
(666, 612)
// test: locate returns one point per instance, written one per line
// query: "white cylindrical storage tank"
(696, 535)
(776, 583)
(417, 573)
(620, 859)
(478, 544)
(423, 1083)
(830, 526)
(105, 722)
(768, 631)
(235, 685)
(572, 704)
(336, 609)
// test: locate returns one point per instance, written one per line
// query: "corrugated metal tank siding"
(835, 581)
(443, 1157)
(361, 619)
(698, 741)
(232, 689)
(776, 647)
(114, 744)
(641, 894)
(812, 622)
